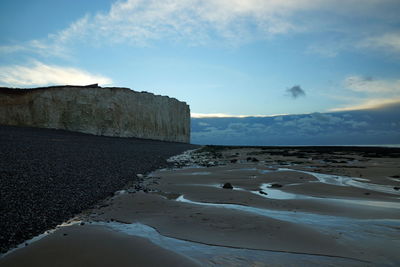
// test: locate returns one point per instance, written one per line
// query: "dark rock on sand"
(275, 186)
(252, 159)
(262, 192)
(227, 186)
(48, 176)
(396, 188)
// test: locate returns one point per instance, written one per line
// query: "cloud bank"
(360, 127)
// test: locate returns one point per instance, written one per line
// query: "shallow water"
(348, 181)
(211, 255)
(359, 233)
(317, 220)
(274, 193)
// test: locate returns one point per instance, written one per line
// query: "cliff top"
(22, 91)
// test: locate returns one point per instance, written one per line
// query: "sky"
(223, 57)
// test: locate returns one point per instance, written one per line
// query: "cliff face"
(95, 110)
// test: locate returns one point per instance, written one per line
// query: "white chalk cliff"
(91, 109)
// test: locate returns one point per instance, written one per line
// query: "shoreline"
(299, 205)
(185, 209)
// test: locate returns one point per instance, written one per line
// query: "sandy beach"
(279, 207)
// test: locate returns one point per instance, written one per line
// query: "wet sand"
(93, 246)
(285, 209)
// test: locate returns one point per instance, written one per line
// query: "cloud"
(226, 22)
(387, 41)
(367, 92)
(370, 85)
(45, 48)
(40, 74)
(296, 91)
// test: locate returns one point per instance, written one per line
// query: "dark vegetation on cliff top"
(48, 176)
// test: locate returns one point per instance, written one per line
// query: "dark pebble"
(262, 192)
(252, 159)
(48, 176)
(227, 186)
(275, 186)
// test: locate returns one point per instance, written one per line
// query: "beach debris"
(227, 186)
(275, 186)
(396, 188)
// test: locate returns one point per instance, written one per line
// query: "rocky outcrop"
(108, 111)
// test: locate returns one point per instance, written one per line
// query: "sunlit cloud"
(369, 104)
(223, 115)
(40, 74)
(369, 92)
